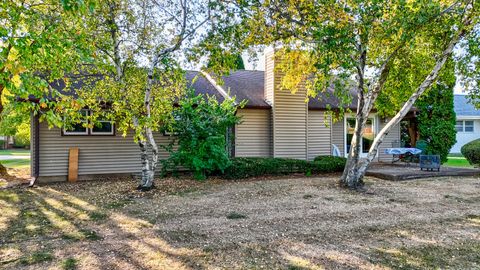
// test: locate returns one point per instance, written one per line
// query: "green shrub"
(436, 117)
(255, 167)
(201, 127)
(330, 159)
(471, 151)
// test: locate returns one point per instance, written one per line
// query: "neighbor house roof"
(463, 107)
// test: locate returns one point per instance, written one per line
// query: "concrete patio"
(403, 171)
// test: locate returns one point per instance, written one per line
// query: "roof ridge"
(216, 85)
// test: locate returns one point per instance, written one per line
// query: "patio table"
(396, 152)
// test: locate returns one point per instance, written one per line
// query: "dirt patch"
(15, 177)
(294, 223)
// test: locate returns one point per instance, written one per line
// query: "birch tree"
(341, 42)
(140, 45)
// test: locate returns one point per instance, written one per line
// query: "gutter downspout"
(36, 149)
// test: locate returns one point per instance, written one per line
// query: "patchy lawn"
(455, 160)
(298, 223)
(16, 163)
(15, 152)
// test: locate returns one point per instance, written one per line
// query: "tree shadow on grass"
(458, 256)
(44, 227)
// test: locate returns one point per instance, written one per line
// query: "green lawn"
(457, 160)
(15, 152)
(16, 163)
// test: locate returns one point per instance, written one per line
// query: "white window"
(368, 135)
(464, 126)
(459, 126)
(468, 126)
(102, 127)
(78, 129)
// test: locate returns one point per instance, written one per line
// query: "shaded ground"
(298, 223)
(15, 176)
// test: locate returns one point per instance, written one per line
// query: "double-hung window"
(79, 128)
(101, 127)
(464, 126)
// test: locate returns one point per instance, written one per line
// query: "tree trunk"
(350, 177)
(356, 168)
(149, 165)
(144, 180)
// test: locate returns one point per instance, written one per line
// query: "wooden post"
(73, 164)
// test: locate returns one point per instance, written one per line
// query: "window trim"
(345, 141)
(89, 131)
(100, 133)
(463, 126)
(76, 133)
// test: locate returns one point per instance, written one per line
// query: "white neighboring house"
(468, 122)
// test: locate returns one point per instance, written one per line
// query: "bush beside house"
(254, 167)
(471, 151)
(436, 117)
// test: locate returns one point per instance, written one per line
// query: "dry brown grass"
(299, 223)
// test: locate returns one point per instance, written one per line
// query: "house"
(468, 122)
(275, 124)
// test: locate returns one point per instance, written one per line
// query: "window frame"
(373, 118)
(459, 125)
(463, 126)
(100, 133)
(76, 133)
(89, 131)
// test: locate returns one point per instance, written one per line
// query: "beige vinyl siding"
(338, 135)
(269, 76)
(289, 124)
(393, 135)
(97, 155)
(319, 134)
(289, 113)
(253, 137)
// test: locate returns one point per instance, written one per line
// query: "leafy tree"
(39, 42)
(394, 49)
(139, 45)
(236, 62)
(200, 127)
(436, 120)
(16, 123)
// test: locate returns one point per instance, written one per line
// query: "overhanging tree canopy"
(393, 49)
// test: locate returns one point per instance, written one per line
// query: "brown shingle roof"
(201, 85)
(243, 84)
(247, 85)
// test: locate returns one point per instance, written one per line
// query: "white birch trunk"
(149, 165)
(356, 167)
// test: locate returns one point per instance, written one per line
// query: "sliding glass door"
(367, 138)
